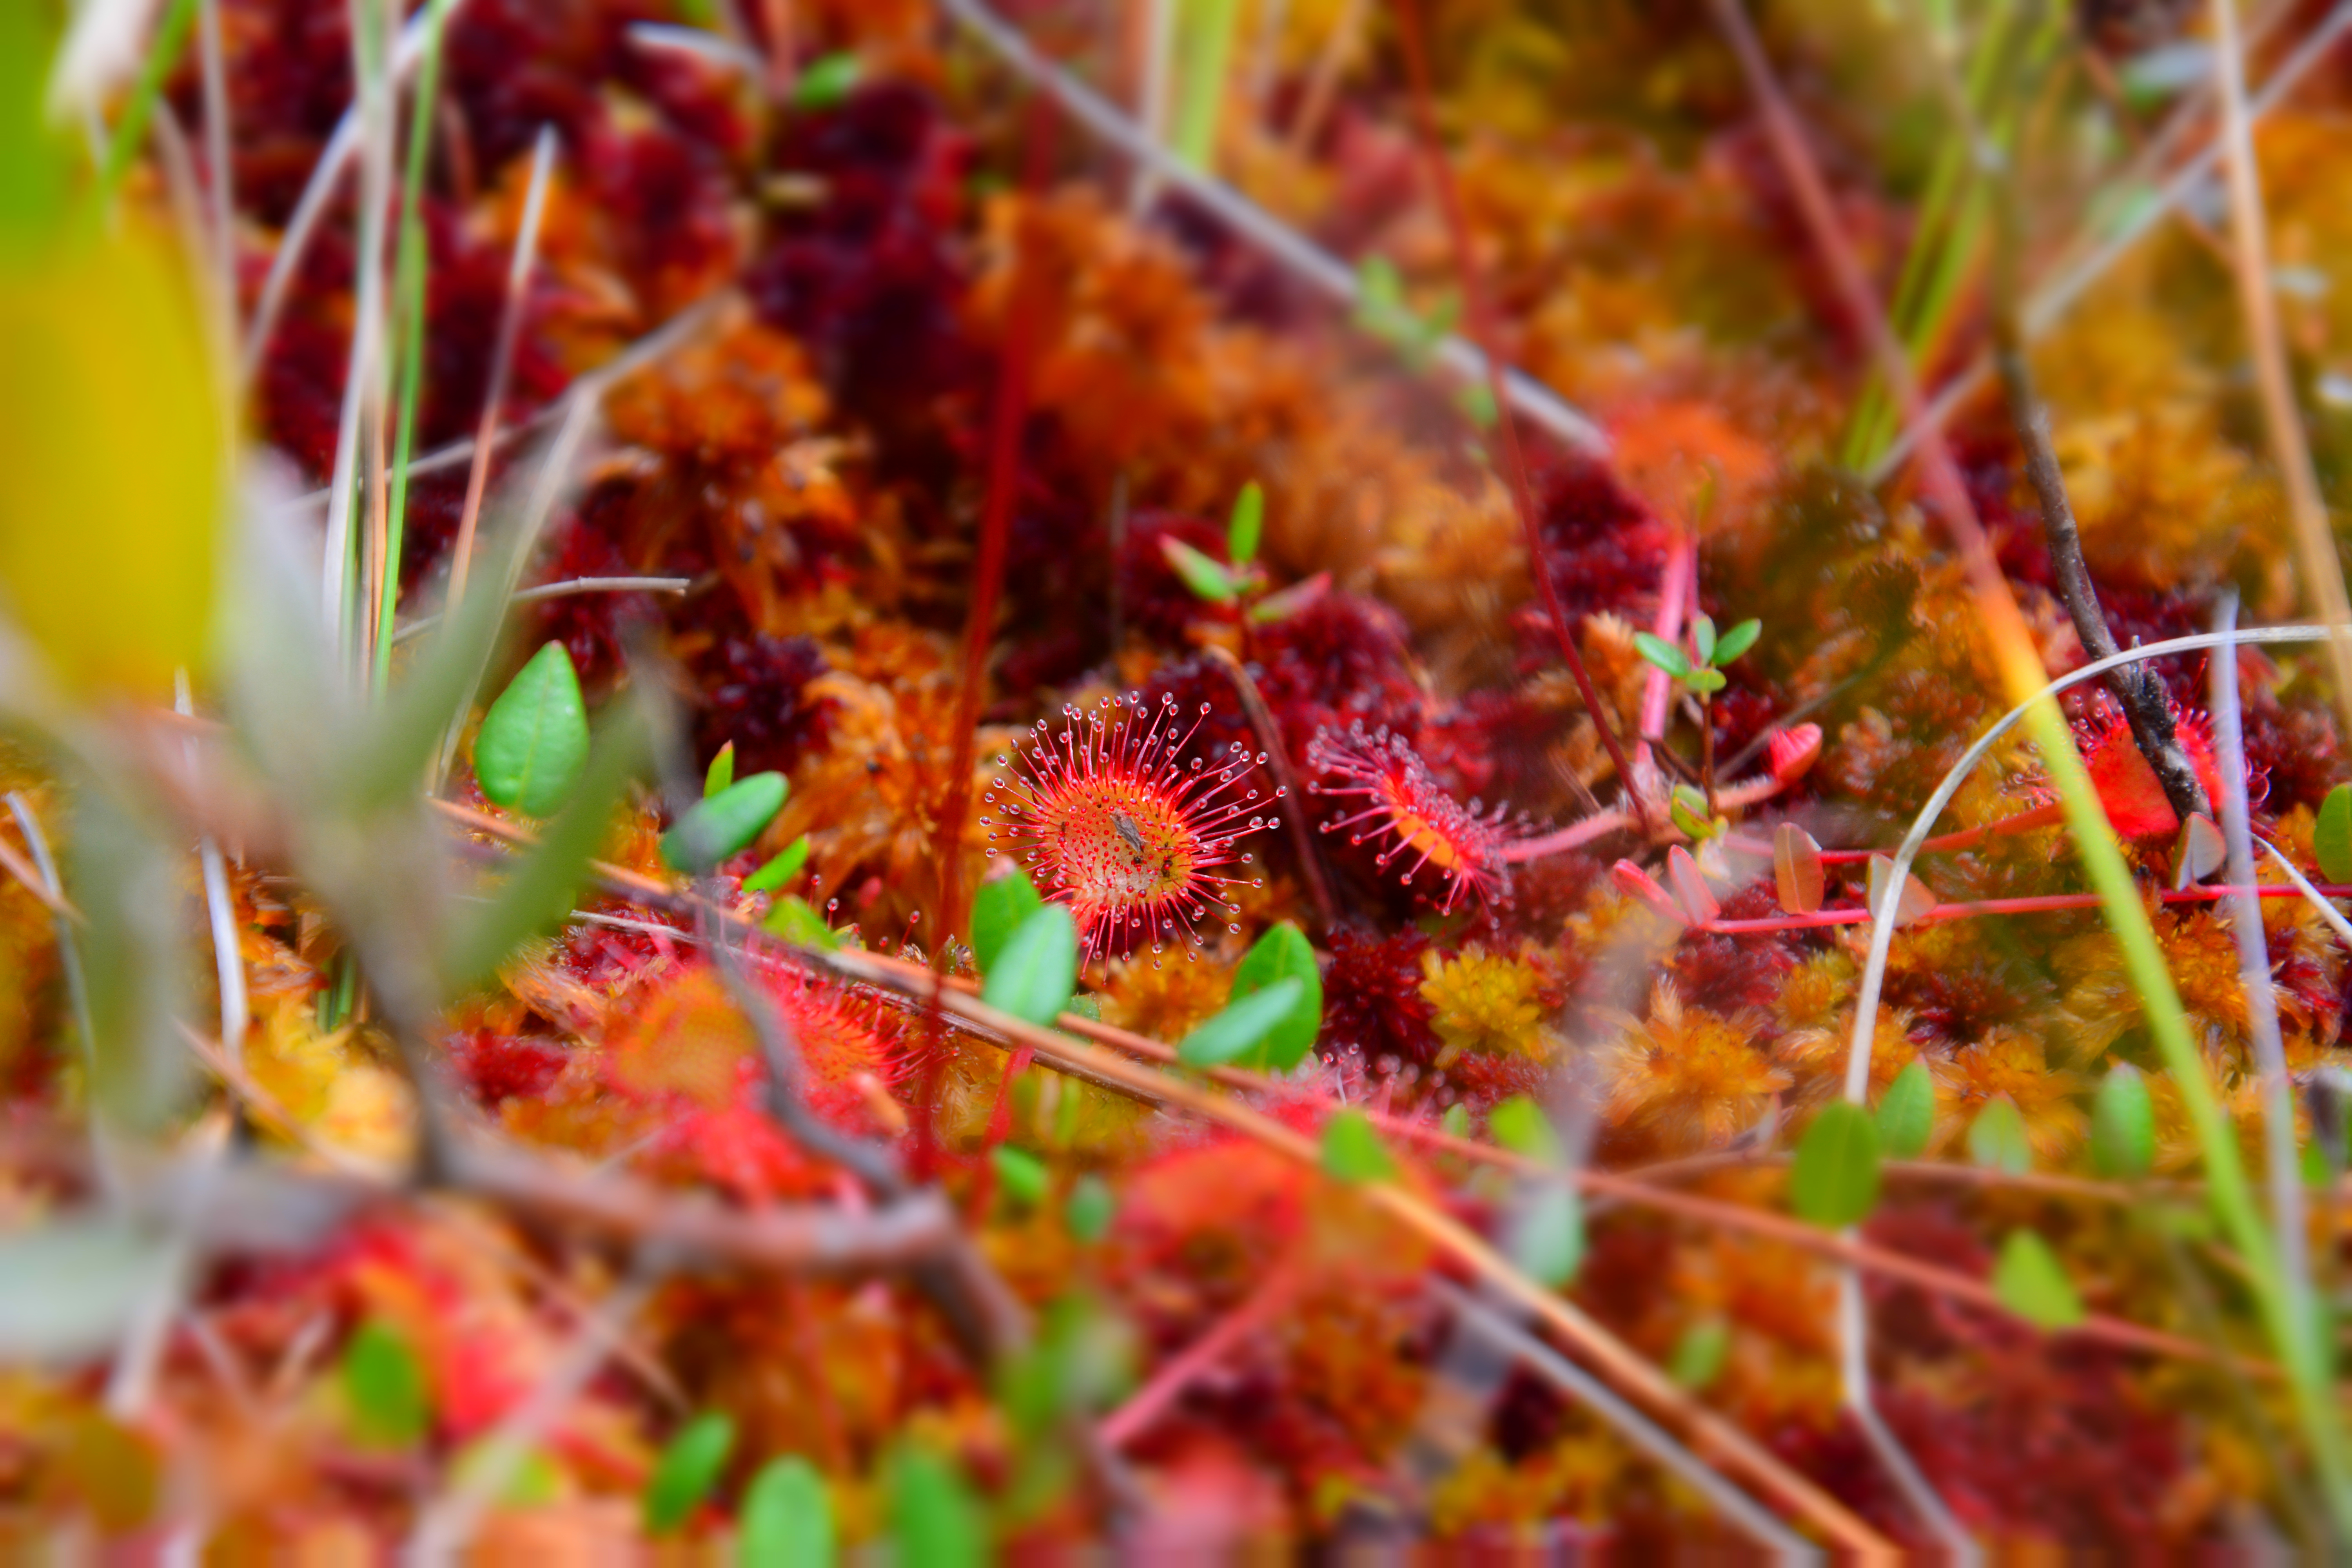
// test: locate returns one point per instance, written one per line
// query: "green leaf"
(1664, 654)
(546, 882)
(1735, 642)
(1700, 1353)
(1705, 681)
(1034, 975)
(1834, 1181)
(2331, 836)
(1548, 1235)
(1352, 1151)
(686, 1470)
(1997, 1138)
(1688, 807)
(1283, 953)
(780, 871)
(1291, 600)
(724, 824)
(1476, 402)
(794, 920)
(1455, 1122)
(786, 1518)
(721, 772)
(1001, 908)
(1520, 1125)
(1022, 1173)
(933, 1517)
(1241, 1026)
(1379, 284)
(1092, 1206)
(2122, 1125)
(534, 740)
(2031, 1282)
(1247, 525)
(385, 1387)
(1206, 578)
(2314, 1161)
(1703, 638)
(531, 1479)
(826, 81)
(1907, 1116)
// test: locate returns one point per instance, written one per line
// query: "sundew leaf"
(1520, 1125)
(780, 871)
(722, 772)
(533, 742)
(1797, 873)
(1001, 908)
(786, 1518)
(1907, 1116)
(687, 1470)
(933, 1516)
(1547, 1239)
(1203, 575)
(1284, 953)
(1997, 1138)
(727, 821)
(1699, 1355)
(2122, 1125)
(1242, 1026)
(1243, 529)
(2331, 834)
(1037, 969)
(2030, 1281)
(1352, 1151)
(1834, 1181)
(385, 1387)
(1023, 1174)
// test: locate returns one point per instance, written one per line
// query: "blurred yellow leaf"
(111, 460)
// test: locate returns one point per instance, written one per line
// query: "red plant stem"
(2040, 817)
(1479, 321)
(2041, 903)
(1010, 412)
(1151, 1401)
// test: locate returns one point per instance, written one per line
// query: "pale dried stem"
(518, 270)
(2314, 539)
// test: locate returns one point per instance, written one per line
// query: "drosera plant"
(1116, 827)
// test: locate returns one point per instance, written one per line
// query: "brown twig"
(2144, 704)
(1478, 318)
(1269, 735)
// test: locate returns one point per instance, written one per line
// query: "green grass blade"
(408, 302)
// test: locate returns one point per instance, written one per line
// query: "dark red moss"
(1724, 974)
(1372, 1005)
(1152, 598)
(872, 279)
(497, 1066)
(754, 694)
(1342, 659)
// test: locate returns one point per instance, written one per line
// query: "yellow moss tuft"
(1163, 1000)
(1688, 1078)
(1487, 1003)
(2012, 1062)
